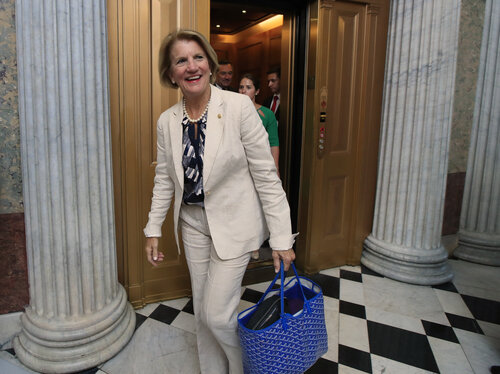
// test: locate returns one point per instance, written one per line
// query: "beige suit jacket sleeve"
(163, 190)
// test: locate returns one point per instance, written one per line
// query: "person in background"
(273, 82)
(224, 76)
(249, 85)
(213, 160)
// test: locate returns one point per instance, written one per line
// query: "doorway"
(332, 57)
(343, 103)
(328, 51)
(258, 37)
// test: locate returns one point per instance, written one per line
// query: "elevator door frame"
(338, 182)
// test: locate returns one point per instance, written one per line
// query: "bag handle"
(281, 274)
(269, 288)
(282, 294)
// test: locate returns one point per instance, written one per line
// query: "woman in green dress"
(249, 85)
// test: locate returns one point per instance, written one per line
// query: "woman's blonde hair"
(165, 64)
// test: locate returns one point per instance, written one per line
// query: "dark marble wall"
(14, 288)
(453, 202)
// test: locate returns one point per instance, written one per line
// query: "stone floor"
(375, 325)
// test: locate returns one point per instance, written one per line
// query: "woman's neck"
(195, 106)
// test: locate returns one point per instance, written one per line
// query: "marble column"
(479, 234)
(78, 314)
(405, 243)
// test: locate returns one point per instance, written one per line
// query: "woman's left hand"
(287, 257)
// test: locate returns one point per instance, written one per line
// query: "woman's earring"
(173, 82)
(210, 73)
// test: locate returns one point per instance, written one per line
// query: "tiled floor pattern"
(375, 325)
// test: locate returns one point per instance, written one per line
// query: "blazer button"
(219, 115)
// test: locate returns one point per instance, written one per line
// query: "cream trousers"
(216, 286)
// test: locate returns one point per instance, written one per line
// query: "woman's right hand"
(152, 253)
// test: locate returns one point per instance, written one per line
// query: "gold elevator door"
(343, 96)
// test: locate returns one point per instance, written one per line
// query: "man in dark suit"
(273, 82)
(224, 76)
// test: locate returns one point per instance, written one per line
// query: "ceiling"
(231, 19)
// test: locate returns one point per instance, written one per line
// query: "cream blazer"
(244, 199)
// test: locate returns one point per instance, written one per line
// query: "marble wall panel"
(469, 51)
(11, 199)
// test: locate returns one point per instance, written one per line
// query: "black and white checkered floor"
(375, 325)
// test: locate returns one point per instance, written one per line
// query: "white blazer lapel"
(213, 135)
(175, 128)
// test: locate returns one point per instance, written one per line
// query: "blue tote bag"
(294, 342)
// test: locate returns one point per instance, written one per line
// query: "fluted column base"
(410, 265)
(56, 345)
(482, 248)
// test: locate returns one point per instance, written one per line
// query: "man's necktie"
(274, 105)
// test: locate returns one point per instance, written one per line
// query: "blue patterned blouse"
(192, 160)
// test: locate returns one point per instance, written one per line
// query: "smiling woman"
(224, 210)
(190, 71)
(187, 62)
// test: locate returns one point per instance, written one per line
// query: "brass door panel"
(135, 29)
(340, 142)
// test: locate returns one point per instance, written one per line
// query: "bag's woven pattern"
(290, 351)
